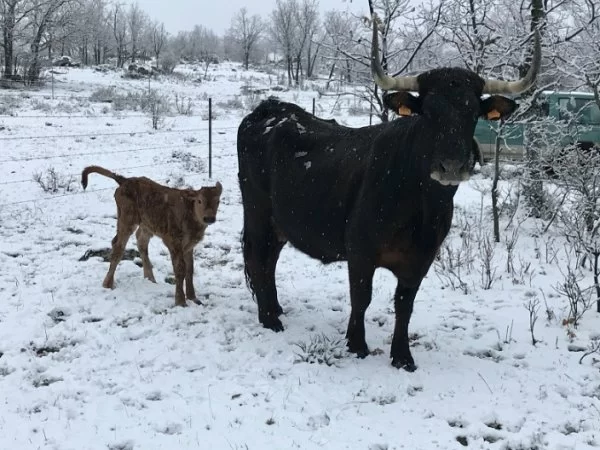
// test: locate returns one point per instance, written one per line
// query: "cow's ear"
(497, 107)
(402, 103)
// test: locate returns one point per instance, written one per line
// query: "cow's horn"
(514, 87)
(383, 80)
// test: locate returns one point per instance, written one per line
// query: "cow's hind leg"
(361, 284)
(403, 302)
(261, 248)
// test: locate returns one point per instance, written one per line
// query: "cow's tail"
(102, 171)
(247, 251)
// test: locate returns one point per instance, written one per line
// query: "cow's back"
(307, 171)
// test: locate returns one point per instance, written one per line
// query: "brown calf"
(178, 216)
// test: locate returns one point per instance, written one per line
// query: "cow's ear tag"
(493, 114)
(404, 111)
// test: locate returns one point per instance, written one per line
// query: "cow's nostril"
(452, 166)
(208, 219)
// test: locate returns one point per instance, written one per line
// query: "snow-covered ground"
(82, 367)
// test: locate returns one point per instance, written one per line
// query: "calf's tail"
(102, 171)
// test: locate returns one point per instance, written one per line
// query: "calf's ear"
(497, 107)
(219, 188)
(402, 103)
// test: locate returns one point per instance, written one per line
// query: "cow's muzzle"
(450, 172)
(210, 219)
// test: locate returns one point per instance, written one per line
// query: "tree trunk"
(495, 212)
(596, 255)
(331, 73)
(290, 69)
(311, 62)
(246, 58)
(34, 68)
(533, 190)
(297, 72)
(8, 31)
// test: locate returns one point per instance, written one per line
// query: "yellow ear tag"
(404, 111)
(494, 114)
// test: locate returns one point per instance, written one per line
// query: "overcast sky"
(216, 14)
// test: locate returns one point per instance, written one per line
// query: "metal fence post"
(210, 138)
(313, 106)
(52, 73)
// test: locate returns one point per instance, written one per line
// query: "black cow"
(377, 196)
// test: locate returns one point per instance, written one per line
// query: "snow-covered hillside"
(82, 367)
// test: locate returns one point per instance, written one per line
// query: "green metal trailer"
(576, 119)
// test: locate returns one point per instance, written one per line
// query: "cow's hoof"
(273, 324)
(279, 310)
(196, 301)
(404, 363)
(361, 350)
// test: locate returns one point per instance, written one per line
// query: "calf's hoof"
(195, 300)
(108, 284)
(181, 303)
(405, 363)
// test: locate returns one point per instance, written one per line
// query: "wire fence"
(211, 135)
(76, 193)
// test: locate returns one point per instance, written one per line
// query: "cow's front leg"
(361, 283)
(403, 303)
(179, 270)
(190, 292)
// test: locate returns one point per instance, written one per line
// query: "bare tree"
(41, 16)
(339, 33)
(159, 39)
(136, 19)
(13, 13)
(405, 45)
(283, 30)
(307, 20)
(89, 24)
(119, 26)
(246, 31)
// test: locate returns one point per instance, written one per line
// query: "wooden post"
(210, 138)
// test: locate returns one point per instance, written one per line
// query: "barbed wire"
(120, 133)
(94, 115)
(132, 150)
(52, 197)
(123, 133)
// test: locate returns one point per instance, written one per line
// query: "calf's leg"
(190, 292)
(179, 269)
(124, 231)
(143, 238)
